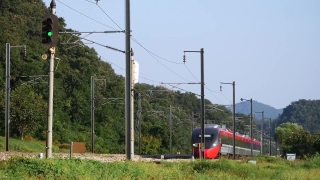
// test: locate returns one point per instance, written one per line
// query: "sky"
(270, 48)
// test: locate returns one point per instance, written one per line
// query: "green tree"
(27, 110)
(293, 139)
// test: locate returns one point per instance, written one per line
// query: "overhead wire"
(155, 56)
(87, 16)
(150, 53)
(173, 87)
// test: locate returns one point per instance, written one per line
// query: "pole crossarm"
(109, 47)
(191, 51)
(180, 83)
(155, 90)
(75, 32)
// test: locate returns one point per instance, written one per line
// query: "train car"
(220, 141)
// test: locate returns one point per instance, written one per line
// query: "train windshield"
(207, 138)
(211, 136)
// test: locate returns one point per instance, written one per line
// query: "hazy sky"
(270, 48)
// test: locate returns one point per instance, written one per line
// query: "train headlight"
(214, 144)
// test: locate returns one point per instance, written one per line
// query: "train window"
(207, 137)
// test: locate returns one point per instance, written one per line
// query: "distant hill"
(269, 111)
(304, 112)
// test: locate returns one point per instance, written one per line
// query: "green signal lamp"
(49, 33)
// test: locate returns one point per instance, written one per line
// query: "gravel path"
(97, 157)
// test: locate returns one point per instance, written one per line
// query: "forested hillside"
(303, 112)
(21, 25)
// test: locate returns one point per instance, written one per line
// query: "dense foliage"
(304, 112)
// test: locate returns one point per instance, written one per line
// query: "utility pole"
(139, 120)
(202, 98)
(251, 123)
(275, 126)
(234, 115)
(50, 31)
(170, 124)
(93, 79)
(132, 79)
(262, 133)
(270, 137)
(234, 121)
(92, 113)
(129, 124)
(7, 115)
(8, 90)
(202, 103)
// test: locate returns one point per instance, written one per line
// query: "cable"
(109, 17)
(87, 16)
(135, 40)
(191, 72)
(213, 94)
(102, 45)
(124, 69)
(183, 90)
(151, 53)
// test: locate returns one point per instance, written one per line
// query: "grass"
(58, 168)
(29, 145)
(27, 168)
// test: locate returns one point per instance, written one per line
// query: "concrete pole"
(270, 137)
(170, 124)
(7, 113)
(251, 123)
(202, 102)
(234, 120)
(92, 112)
(132, 79)
(128, 114)
(139, 120)
(262, 133)
(50, 104)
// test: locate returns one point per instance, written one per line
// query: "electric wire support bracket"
(73, 33)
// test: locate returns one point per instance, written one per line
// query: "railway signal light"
(50, 30)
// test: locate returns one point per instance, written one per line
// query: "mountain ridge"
(269, 111)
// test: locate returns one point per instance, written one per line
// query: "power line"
(135, 40)
(213, 94)
(86, 15)
(151, 53)
(155, 56)
(109, 16)
(191, 72)
(124, 69)
(183, 90)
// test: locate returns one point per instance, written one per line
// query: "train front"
(212, 142)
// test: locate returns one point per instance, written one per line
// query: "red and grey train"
(220, 141)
